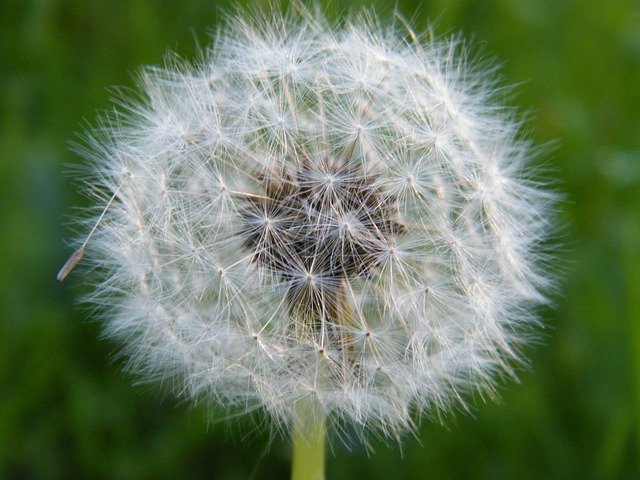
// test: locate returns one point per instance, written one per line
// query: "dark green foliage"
(66, 411)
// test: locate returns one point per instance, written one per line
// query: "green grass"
(66, 411)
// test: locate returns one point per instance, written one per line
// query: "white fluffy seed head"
(335, 212)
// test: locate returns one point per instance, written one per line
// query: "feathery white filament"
(336, 212)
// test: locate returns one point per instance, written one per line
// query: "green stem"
(308, 443)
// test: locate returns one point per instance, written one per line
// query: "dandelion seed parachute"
(334, 212)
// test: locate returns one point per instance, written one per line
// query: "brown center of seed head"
(318, 228)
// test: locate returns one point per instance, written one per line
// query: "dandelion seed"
(77, 256)
(329, 224)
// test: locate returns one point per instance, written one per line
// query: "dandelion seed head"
(312, 210)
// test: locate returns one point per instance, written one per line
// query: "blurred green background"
(66, 410)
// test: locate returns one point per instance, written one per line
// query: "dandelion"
(333, 224)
